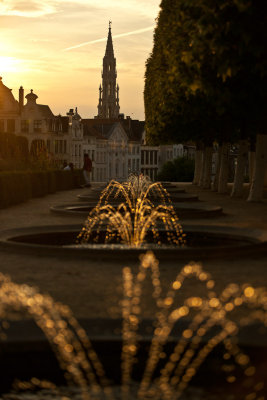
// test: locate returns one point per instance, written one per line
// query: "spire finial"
(109, 24)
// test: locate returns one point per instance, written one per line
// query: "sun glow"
(9, 64)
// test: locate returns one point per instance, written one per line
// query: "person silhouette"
(87, 168)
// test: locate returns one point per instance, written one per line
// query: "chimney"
(129, 121)
(21, 97)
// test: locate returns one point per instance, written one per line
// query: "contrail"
(114, 37)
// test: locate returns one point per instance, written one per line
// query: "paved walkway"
(93, 289)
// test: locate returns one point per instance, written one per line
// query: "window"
(25, 125)
(109, 89)
(56, 146)
(2, 125)
(11, 125)
(65, 146)
(37, 125)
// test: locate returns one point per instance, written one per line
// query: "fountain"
(183, 335)
(138, 214)
(184, 210)
(114, 195)
(174, 357)
(132, 220)
(135, 184)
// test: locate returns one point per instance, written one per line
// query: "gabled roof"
(45, 111)
(8, 104)
(42, 111)
(101, 128)
(89, 130)
(134, 129)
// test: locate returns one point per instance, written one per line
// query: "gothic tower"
(108, 106)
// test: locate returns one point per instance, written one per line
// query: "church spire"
(109, 47)
(108, 106)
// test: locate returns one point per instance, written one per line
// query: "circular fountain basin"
(183, 210)
(174, 189)
(175, 197)
(203, 242)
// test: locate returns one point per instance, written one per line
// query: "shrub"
(179, 170)
(52, 182)
(15, 187)
(39, 183)
(19, 186)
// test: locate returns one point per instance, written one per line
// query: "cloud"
(150, 28)
(30, 8)
(35, 32)
(39, 8)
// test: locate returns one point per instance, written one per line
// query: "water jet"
(183, 210)
(172, 350)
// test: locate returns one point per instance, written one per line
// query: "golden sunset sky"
(44, 46)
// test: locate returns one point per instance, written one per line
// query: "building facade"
(116, 145)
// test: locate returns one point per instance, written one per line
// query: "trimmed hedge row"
(19, 186)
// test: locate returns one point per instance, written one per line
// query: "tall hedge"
(17, 187)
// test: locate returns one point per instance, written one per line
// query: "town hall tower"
(108, 106)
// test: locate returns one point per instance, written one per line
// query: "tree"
(206, 77)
